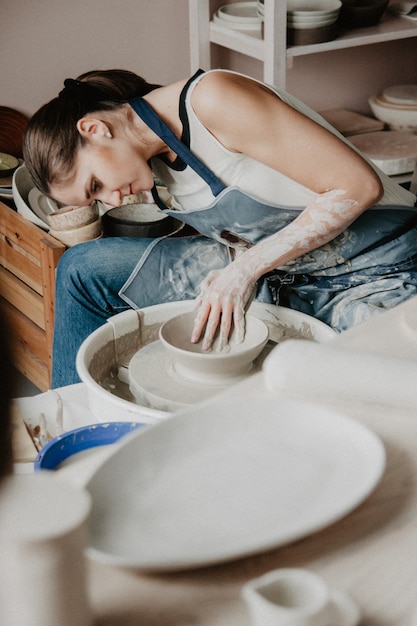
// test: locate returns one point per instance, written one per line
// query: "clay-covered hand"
(224, 297)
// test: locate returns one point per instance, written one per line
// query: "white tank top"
(190, 191)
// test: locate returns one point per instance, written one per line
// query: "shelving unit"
(271, 49)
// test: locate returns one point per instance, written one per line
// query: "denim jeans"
(89, 277)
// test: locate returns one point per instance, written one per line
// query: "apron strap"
(152, 119)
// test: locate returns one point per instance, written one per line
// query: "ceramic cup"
(289, 597)
(43, 535)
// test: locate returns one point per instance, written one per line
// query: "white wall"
(340, 78)
(42, 42)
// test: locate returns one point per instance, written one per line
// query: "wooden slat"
(50, 256)
(31, 367)
(25, 331)
(22, 297)
(28, 260)
(22, 247)
(16, 261)
(29, 349)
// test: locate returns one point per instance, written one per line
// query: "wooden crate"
(28, 260)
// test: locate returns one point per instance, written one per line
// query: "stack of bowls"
(312, 21)
(76, 224)
(239, 16)
(396, 106)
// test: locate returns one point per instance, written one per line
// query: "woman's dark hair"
(51, 139)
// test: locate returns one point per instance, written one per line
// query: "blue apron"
(371, 265)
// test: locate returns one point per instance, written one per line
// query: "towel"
(306, 368)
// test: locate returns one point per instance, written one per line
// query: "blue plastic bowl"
(73, 441)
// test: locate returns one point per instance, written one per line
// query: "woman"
(286, 209)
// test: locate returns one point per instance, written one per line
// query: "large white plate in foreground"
(240, 474)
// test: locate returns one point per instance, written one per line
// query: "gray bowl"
(138, 220)
(362, 13)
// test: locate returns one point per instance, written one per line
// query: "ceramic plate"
(239, 474)
(39, 205)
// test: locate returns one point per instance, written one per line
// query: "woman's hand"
(224, 297)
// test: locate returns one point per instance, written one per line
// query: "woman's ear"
(92, 128)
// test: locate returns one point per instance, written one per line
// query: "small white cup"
(43, 535)
(289, 597)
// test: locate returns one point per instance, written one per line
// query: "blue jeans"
(89, 277)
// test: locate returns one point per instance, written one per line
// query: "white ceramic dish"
(240, 474)
(8, 165)
(103, 358)
(311, 24)
(39, 205)
(311, 16)
(318, 7)
(393, 151)
(22, 184)
(401, 94)
(397, 118)
(236, 25)
(239, 16)
(240, 12)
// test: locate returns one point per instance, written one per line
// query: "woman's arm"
(247, 117)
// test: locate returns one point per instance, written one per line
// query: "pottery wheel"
(394, 152)
(154, 381)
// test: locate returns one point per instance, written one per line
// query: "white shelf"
(390, 28)
(271, 49)
(250, 43)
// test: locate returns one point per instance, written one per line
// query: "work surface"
(371, 553)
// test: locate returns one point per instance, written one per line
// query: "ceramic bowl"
(192, 362)
(78, 440)
(318, 23)
(22, 184)
(239, 15)
(71, 217)
(396, 117)
(310, 36)
(401, 95)
(312, 7)
(138, 220)
(8, 164)
(72, 236)
(362, 13)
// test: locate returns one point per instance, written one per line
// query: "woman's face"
(106, 169)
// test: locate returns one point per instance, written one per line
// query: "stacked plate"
(239, 16)
(396, 106)
(30, 202)
(6, 191)
(312, 21)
